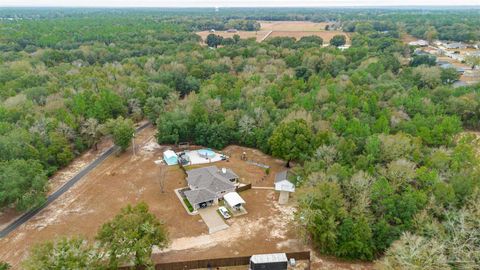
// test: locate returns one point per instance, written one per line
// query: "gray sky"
(234, 3)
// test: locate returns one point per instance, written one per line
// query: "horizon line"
(241, 6)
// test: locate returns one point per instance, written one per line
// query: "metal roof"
(281, 176)
(233, 199)
(269, 258)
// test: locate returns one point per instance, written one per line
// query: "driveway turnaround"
(213, 220)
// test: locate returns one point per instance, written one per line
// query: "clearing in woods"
(295, 29)
(126, 179)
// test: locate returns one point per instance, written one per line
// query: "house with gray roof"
(200, 198)
(208, 184)
(456, 45)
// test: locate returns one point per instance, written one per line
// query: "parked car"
(224, 212)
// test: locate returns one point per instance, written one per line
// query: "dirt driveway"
(213, 220)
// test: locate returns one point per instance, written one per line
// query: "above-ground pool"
(207, 153)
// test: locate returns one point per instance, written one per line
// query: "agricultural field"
(270, 29)
(258, 35)
(131, 179)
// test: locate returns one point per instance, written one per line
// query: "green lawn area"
(189, 206)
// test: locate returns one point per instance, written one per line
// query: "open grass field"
(270, 29)
(129, 179)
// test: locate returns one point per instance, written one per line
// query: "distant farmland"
(295, 29)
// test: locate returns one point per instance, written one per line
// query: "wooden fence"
(218, 262)
(243, 188)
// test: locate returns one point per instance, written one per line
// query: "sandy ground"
(292, 26)
(126, 179)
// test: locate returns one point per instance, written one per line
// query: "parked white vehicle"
(224, 212)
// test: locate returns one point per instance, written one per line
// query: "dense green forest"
(376, 136)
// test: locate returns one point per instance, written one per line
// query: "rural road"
(70, 183)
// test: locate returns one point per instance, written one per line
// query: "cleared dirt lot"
(295, 29)
(258, 35)
(128, 179)
(292, 25)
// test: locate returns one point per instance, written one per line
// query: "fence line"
(243, 188)
(217, 262)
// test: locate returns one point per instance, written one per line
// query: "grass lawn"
(189, 206)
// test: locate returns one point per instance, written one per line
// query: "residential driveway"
(213, 220)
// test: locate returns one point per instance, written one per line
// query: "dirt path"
(9, 215)
(64, 188)
(266, 36)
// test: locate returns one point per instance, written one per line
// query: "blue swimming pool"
(208, 153)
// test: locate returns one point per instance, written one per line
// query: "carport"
(234, 201)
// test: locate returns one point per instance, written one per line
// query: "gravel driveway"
(213, 220)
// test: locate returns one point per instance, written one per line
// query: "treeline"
(61, 93)
(375, 134)
(126, 240)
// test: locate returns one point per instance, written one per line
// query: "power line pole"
(133, 144)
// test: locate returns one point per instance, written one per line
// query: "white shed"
(283, 185)
(170, 157)
(233, 200)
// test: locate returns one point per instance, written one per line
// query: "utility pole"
(133, 144)
(161, 177)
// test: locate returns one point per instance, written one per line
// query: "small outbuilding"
(283, 184)
(273, 261)
(170, 157)
(420, 43)
(234, 201)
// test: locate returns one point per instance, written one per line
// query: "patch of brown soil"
(292, 26)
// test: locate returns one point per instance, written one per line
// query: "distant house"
(456, 45)
(212, 30)
(420, 52)
(209, 184)
(283, 184)
(232, 30)
(419, 43)
(475, 53)
(170, 157)
(460, 70)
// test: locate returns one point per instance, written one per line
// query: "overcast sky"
(234, 3)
